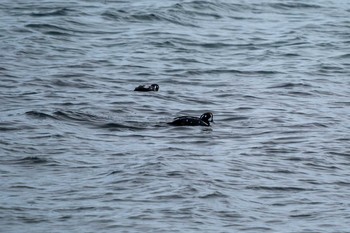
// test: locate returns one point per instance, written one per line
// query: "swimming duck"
(153, 87)
(203, 120)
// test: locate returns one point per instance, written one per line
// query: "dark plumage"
(153, 87)
(203, 120)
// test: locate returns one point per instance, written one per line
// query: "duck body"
(203, 120)
(144, 88)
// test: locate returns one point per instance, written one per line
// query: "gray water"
(80, 151)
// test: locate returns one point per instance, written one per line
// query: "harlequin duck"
(203, 120)
(153, 87)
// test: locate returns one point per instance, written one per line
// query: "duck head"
(207, 117)
(155, 87)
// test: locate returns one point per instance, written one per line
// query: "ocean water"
(80, 151)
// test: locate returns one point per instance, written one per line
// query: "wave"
(290, 85)
(39, 115)
(294, 5)
(50, 29)
(279, 189)
(142, 17)
(191, 72)
(190, 14)
(31, 160)
(50, 12)
(76, 116)
(116, 126)
(92, 120)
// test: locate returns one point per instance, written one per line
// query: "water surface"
(81, 152)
